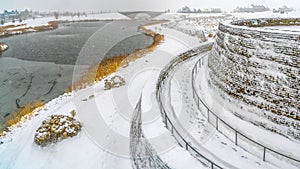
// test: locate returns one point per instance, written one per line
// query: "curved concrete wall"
(261, 68)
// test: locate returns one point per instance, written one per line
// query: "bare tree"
(56, 15)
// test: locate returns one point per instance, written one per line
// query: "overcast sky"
(97, 5)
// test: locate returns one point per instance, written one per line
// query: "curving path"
(195, 133)
(258, 141)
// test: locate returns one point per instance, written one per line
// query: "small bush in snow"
(56, 128)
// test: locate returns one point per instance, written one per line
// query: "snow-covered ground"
(267, 138)
(105, 116)
(104, 141)
(173, 16)
(283, 28)
(202, 26)
(267, 14)
(101, 16)
(198, 127)
(44, 20)
(208, 23)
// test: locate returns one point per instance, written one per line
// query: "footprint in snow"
(244, 157)
(223, 143)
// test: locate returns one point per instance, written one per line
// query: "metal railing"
(182, 141)
(230, 132)
(141, 151)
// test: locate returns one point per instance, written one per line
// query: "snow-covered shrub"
(56, 128)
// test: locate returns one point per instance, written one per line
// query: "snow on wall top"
(261, 69)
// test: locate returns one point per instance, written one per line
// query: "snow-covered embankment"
(104, 114)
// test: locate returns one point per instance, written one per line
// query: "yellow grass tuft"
(51, 25)
(16, 117)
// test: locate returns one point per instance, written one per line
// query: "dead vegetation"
(56, 128)
(110, 65)
(95, 73)
(23, 113)
(10, 30)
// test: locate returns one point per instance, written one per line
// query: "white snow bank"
(105, 117)
(267, 14)
(44, 21)
(101, 16)
(267, 138)
(172, 16)
(208, 140)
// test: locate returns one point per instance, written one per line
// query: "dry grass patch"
(110, 65)
(24, 112)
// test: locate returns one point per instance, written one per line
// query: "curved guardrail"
(238, 136)
(182, 141)
(141, 152)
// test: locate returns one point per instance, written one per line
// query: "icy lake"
(40, 65)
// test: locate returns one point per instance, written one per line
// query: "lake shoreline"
(20, 29)
(12, 30)
(16, 117)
